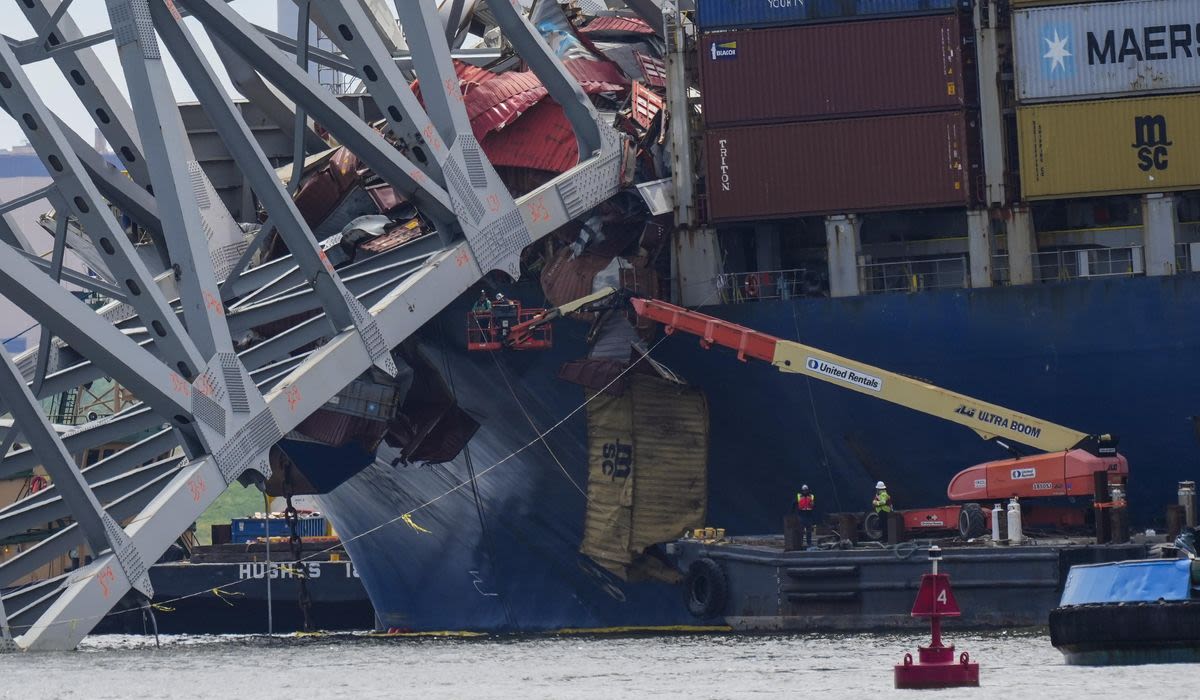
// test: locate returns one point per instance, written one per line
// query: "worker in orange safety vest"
(805, 504)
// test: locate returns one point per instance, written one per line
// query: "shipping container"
(831, 167)
(1107, 48)
(736, 14)
(834, 70)
(1149, 144)
(250, 529)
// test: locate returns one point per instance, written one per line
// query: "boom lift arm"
(1068, 466)
(989, 420)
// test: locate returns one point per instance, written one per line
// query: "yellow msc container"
(1103, 147)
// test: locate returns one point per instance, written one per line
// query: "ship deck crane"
(1067, 466)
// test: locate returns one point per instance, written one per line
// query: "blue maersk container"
(738, 14)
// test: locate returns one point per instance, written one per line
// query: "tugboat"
(1132, 612)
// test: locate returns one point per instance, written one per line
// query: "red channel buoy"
(936, 665)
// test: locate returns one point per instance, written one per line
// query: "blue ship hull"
(503, 555)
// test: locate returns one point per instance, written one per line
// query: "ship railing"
(914, 275)
(1187, 258)
(740, 287)
(1077, 263)
(1060, 265)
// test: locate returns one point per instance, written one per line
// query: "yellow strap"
(407, 518)
(222, 593)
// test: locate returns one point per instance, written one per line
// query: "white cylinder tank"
(1014, 522)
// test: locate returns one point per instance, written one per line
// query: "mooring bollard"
(936, 666)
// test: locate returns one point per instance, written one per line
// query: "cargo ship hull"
(501, 552)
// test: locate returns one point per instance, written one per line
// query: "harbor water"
(690, 666)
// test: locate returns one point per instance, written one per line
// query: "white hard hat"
(499, 296)
(880, 485)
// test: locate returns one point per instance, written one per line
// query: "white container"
(1014, 522)
(1106, 48)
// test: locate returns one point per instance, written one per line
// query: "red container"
(836, 167)
(835, 70)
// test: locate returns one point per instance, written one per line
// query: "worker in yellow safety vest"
(805, 503)
(882, 503)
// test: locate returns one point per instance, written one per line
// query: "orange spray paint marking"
(179, 385)
(213, 303)
(197, 487)
(293, 397)
(493, 203)
(538, 210)
(462, 258)
(205, 385)
(431, 137)
(452, 88)
(106, 578)
(325, 259)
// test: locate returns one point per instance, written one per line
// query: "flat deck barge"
(752, 584)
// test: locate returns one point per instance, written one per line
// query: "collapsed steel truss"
(167, 333)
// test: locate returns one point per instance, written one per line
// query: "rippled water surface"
(1021, 666)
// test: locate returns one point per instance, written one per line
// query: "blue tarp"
(1129, 582)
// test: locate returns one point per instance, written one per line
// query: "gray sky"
(92, 16)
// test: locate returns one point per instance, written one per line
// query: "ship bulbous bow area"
(228, 336)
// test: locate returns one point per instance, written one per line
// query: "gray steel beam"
(77, 278)
(493, 228)
(21, 597)
(63, 540)
(119, 426)
(88, 208)
(37, 606)
(100, 530)
(243, 318)
(55, 506)
(30, 560)
(92, 336)
(163, 139)
(52, 23)
(282, 345)
(87, 77)
(348, 25)
(367, 144)
(339, 305)
(280, 275)
(6, 641)
(318, 56)
(27, 198)
(44, 340)
(278, 108)
(650, 12)
(108, 468)
(400, 311)
(562, 87)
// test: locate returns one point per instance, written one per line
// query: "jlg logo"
(1150, 142)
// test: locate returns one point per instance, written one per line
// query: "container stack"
(1107, 97)
(836, 107)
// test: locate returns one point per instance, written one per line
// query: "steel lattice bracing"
(167, 334)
